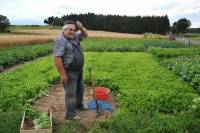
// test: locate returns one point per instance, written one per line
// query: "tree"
(181, 25)
(49, 20)
(117, 23)
(4, 23)
(57, 21)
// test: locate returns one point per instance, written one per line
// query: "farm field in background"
(194, 36)
(10, 56)
(20, 39)
(107, 34)
(23, 35)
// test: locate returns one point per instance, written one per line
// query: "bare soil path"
(55, 100)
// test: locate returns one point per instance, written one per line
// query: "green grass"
(70, 127)
(150, 98)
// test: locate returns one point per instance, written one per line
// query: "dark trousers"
(74, 90)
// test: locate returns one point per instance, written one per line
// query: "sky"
(34, 12)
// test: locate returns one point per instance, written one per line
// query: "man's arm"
(82, 29)
(58, 52)
(60, 68)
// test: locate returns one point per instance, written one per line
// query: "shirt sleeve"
(59, 48)
(79, 36)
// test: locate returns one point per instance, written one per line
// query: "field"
(24, 35)
(26, 52)
(156, 82)
(193, 36)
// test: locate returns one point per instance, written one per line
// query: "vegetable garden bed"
(150, 98)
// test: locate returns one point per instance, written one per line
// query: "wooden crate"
(49, 130)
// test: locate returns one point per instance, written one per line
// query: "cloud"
(35, 11)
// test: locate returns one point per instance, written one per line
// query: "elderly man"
(69, 61)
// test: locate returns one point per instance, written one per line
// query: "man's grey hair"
(65, 27)
(67, 24)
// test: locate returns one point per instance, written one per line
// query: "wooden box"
(22, 130)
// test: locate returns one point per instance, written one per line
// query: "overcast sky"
(35, 11)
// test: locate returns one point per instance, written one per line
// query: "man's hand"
(79, 25)
(64, 78)
(60, 68)
(82, 29)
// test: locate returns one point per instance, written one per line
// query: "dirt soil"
(28, 124)
(55, 100)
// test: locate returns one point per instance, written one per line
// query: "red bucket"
(101, 93)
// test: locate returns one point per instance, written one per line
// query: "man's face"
(70, 31)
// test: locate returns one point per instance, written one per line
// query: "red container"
(101, 93)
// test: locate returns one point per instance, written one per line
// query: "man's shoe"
(84, 107)
(76, 118)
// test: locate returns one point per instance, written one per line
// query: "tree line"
(116, 23)
(193, 30)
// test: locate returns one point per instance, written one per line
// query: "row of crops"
(127, 45)
(184, 62)
(174, 52)
(11, 56)
(26, 83)
(150, 98)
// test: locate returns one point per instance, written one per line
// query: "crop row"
(171, 52)
(188, 68)
(184, 62)
(127, 45)
(18, 54)
(26, 83)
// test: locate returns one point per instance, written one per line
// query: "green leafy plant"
(195, 107)
(43, 121)
(187, 67)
